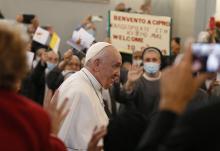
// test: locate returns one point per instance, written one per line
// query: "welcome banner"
(131, 32)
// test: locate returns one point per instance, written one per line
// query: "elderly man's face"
(110, 68)
(52, 57)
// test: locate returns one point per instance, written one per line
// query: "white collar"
(152, 79)
(92, 79)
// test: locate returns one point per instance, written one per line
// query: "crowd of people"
(92, 101)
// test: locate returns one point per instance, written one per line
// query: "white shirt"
(86, 109)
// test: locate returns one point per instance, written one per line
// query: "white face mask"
(137, 62)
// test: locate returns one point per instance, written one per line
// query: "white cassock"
(86, 109)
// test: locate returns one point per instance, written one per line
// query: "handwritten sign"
(81, 39)
(131, 32)
(42, 36)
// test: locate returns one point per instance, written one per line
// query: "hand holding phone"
(206, 57)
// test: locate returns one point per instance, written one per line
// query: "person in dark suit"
(173, 129)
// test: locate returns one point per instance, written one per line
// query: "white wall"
(204, 10)
(65, 15)
(218, 9)
(183, 18)
(218, 6)
(191, 16)
(134, 4)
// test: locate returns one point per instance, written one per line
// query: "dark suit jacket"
(54, 79)
(194, 131)
(38, 80)
(33, 86)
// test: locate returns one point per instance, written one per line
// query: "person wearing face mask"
(142, 86)
(68, 66)
(52, 61)
(46, 63)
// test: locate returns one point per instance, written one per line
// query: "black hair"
(162, 64)
(1, 15)
(177, 40)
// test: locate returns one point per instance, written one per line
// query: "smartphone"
(27, 18)
(206, 57)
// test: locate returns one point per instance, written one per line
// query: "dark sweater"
(145, 96)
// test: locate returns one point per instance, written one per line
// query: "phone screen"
(206, 57)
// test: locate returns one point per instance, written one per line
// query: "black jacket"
(194, 131)
(54, 79)
(33, 86)
(38, 80)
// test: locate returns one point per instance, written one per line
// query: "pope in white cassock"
(83, 89)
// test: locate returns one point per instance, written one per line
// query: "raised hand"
(134, 73)
(57, 114)
(66, 59)
(68, 55)
(96, 137)
(87, 20)
(44, 57)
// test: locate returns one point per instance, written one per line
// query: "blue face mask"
(50, 66)
(151, 67)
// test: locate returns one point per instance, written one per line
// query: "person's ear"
(97, 65)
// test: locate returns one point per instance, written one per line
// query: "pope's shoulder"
(75, 81)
